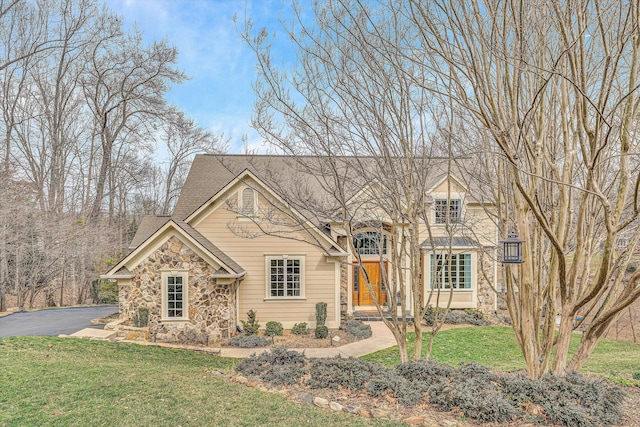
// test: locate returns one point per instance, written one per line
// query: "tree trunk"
(563, 341)
(590, 339)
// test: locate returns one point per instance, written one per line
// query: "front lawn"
(497, 348)
(71, 382)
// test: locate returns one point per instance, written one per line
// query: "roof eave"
(229, 275)
(117, 276)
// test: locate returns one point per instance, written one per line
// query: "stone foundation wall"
(211, 306)
(486, 296)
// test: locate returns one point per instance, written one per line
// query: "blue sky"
(219, 95)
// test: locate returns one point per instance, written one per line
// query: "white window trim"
(267, 269)
(443, 196)
(185, 284)
(428, 272)
(247, 216)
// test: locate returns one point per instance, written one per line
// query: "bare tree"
(551, 89)
(354, 114)
(183, 138)
(125, 85)
(79, 99)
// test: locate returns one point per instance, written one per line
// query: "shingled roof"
(301, 180)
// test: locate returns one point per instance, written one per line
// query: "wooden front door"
(361, 294)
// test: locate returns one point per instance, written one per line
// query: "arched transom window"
(370, 243)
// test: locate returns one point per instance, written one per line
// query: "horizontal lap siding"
(459, 300)
(319, 275)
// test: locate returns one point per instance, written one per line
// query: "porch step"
(373, 316)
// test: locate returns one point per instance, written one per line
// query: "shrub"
(351, 373)
(248, 341)
(322, 331)
(456, 317)
(475, 317)
(251, 326)
(141, 318)
(407, 392)
(425, 370)
(300, 329)
(358, 329)
(278, 356)
(321, 313)
(579, 400)
(277, 367)
(273, 329)
(283, 375)
(572, 400)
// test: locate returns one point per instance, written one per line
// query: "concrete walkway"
(381, 338)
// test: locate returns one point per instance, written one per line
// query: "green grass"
(496, 347)
(70, 382)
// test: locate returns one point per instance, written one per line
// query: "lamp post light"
(512, 249)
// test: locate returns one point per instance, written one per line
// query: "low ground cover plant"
(248, 341)
(472, 389)
(358, 329)
(455, 317)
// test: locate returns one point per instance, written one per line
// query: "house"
(261, 233)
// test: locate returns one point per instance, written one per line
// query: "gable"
(444, 185)
(272, 212)
(188, 236)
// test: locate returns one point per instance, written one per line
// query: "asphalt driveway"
(52, 322)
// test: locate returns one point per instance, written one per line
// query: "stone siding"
(486, 296)
(344, 281)
(211, 306)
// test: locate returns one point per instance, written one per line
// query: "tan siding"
(442, 188)
(461, 299)
(319, 275)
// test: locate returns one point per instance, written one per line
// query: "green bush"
(322, 332)
(141, 318)
(273, 329)
(248, 341)
(358, 329)
(636, 375)
(321, 313)
(300, 329)
(251, 325)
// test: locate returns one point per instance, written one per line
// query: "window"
(285, 277)
(248, 202)
(454, 273)
(370, 243)
(454, 210)
(175, 297)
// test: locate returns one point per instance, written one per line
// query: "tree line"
(83, 109)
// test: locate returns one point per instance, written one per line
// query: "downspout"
(236, 286)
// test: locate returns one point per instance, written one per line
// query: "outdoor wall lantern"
(512, 250)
